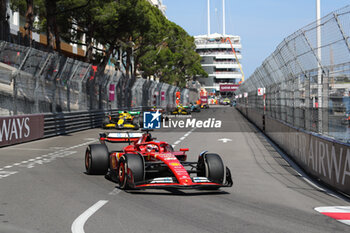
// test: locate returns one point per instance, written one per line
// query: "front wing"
(123, 126)
(169, 182)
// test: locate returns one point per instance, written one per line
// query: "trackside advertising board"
(111, 92)
(228, 87)
(17, 129)
(204, 99)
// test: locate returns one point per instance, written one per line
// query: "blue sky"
(262, 24)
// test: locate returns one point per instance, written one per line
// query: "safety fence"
(34, 81)
(305, 82)
(299, 97)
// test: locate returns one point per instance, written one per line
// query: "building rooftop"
(215, 36)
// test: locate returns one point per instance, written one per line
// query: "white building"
(221, 55)
(218, 59)
(159, 5)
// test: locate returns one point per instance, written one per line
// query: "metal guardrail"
(34, 81)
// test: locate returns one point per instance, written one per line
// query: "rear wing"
(133, 113)
(120, 137)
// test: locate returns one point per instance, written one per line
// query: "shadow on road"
(177, 192)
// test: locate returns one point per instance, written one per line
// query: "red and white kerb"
(339, 213)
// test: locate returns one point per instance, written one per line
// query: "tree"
(3, 19)
(127, 28)
(29, 20)
(77, 20)
(51, 25)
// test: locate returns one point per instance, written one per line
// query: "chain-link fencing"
(34, 81)
(305, 82)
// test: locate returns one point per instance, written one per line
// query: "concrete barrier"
(18, 129)
(256, 117)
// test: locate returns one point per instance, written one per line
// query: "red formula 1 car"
(147, 163)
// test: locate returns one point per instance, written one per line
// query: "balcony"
(223, 65)
(226, 75)
(220, 55)
(218, 46)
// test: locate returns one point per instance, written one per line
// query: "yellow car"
(205, 106)
(181, 110)
(124, 120)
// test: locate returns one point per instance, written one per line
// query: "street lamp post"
(223, 18)
(319, 69)
(208, 17)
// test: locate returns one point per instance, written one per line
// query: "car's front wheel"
(133, 163)
(212, 167)
(96, 159)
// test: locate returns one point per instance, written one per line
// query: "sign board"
(240, 96)
(261, 91)
(228, 87)
(162, 95)
(204, 99)
(111, 92)
(17, 129)
(245, 94)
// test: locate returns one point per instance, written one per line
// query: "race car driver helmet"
(152, 148)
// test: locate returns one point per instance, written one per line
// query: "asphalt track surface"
(43, 188)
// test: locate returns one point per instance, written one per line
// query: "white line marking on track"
(47, 158)
(115, 191)
(182, 138)
(35, 149)
(4, 174)
(78, 224)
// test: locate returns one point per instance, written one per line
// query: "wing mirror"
(183, 149)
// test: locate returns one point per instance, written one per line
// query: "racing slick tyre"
(96, 159)
(137, 126)
(212, 167)
(105, 121)
(134, 163)
(140, 121)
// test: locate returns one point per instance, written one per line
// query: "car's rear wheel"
(96, 159)
(140, 121)
(105, 121)
(212, 167)
(134, 163)
(137, 126)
